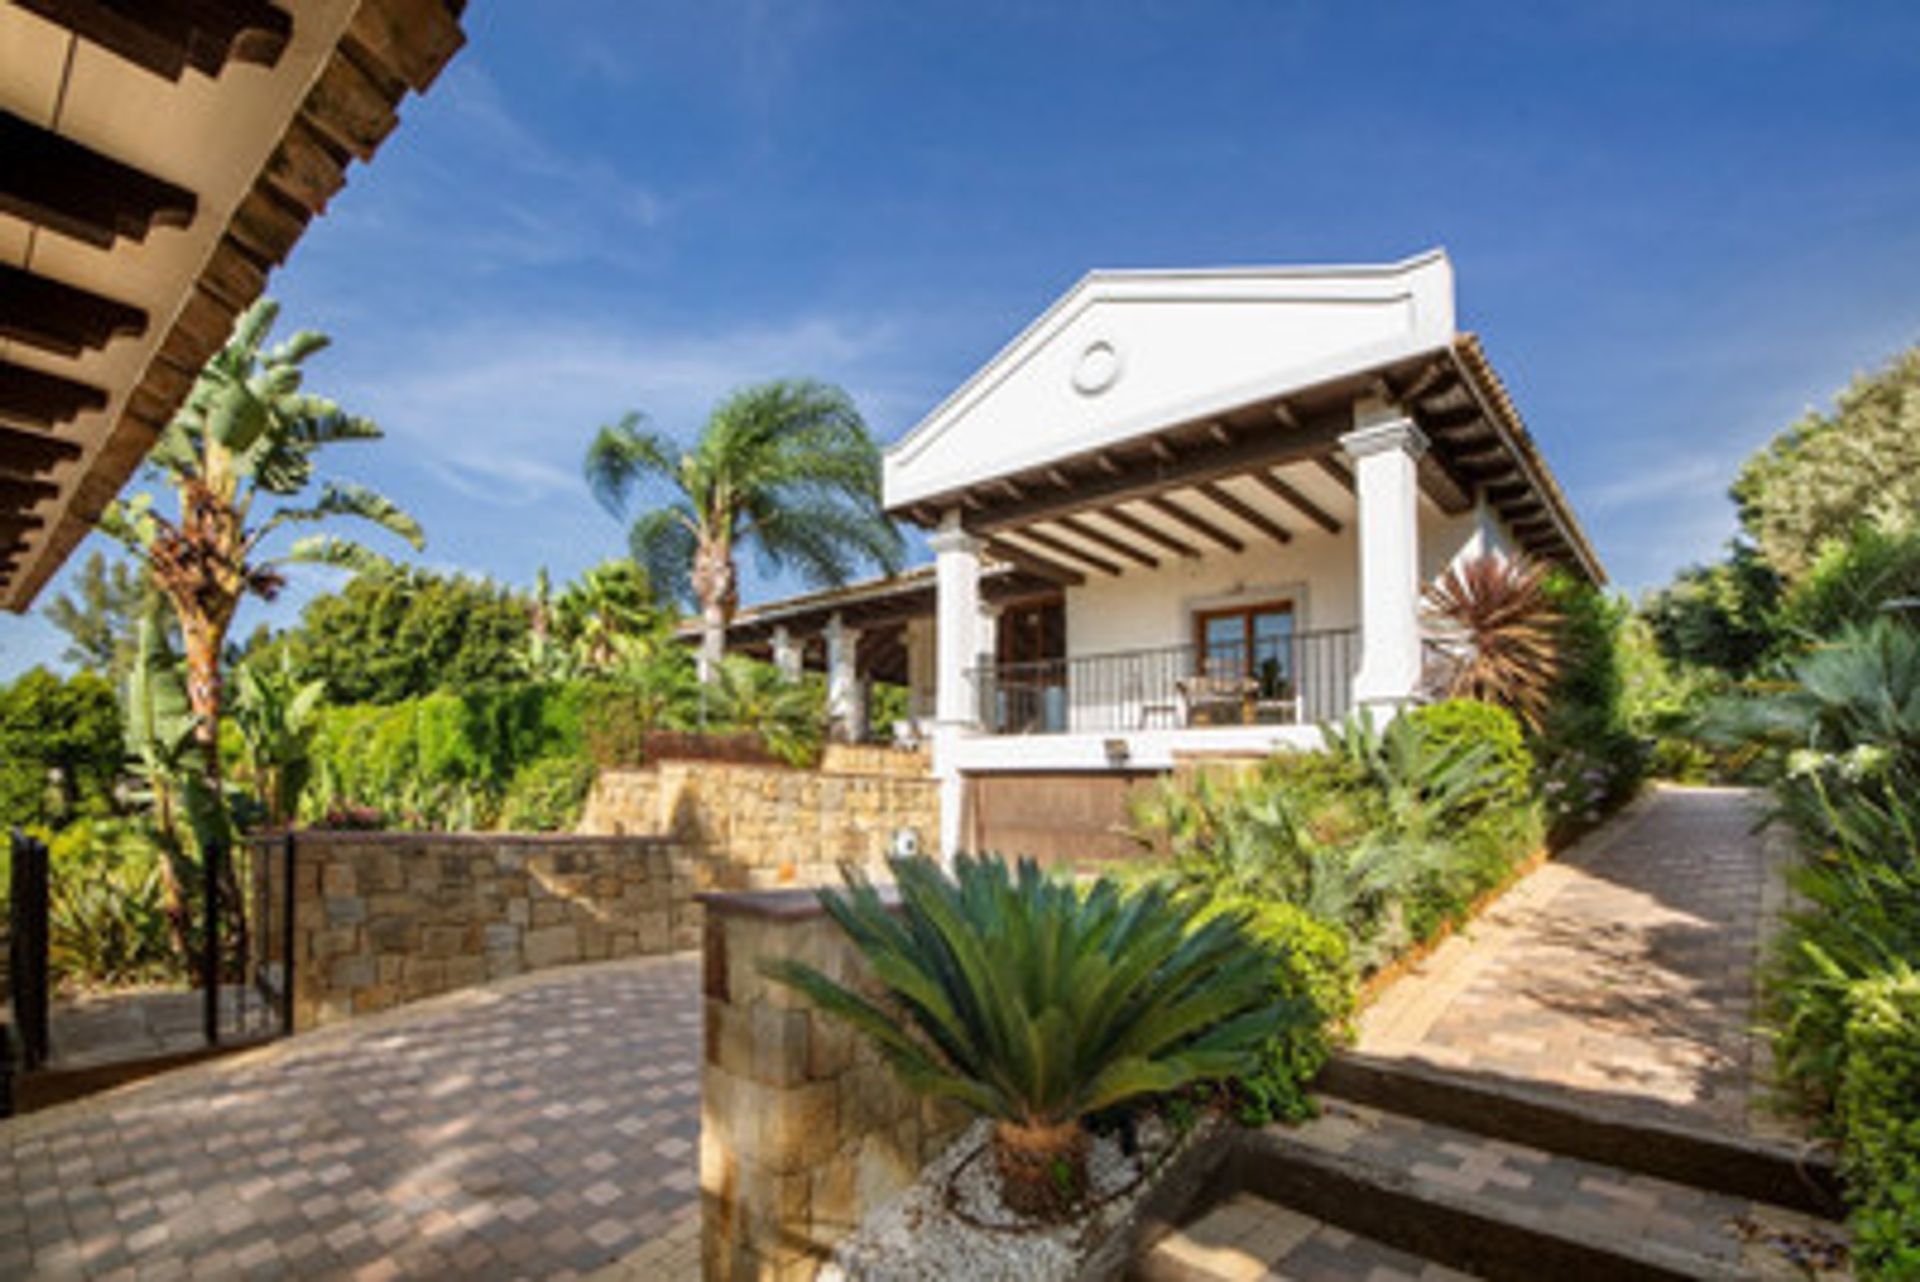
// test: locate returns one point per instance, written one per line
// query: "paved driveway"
(544, 1127)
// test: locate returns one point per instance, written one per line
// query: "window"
(1248, 641)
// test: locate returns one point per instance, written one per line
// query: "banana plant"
(164, 745)
(247, 436)
(278, 715)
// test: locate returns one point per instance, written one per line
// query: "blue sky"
(1676, 226)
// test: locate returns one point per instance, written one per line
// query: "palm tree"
(246, 435)
(787, 468)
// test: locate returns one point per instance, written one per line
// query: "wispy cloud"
(500, 409)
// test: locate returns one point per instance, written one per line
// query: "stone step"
(1250, 1239)
(1510, 1212)
(1631, 1134)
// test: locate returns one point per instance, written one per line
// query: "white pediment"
(1123, 354)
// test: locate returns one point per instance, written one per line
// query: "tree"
(59, 748)
(1830, 473)
(246, 433)
(787, 468)
(1719, 616)
(102, 614)
(399, 632)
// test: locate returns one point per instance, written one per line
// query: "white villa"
(1183, 514)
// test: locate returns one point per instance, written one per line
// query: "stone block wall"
(384, 918)
(755, 827)
(804, 1130)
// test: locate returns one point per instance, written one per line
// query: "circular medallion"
(1097, 369)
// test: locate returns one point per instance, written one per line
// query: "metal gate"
(241, 970)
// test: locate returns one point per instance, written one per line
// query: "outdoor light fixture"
(1118, 753)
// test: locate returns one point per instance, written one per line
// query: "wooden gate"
(1057, 817)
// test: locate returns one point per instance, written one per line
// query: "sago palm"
(785, 468)
(1035, 1002)
(1497, 632)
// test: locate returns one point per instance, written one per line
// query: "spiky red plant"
(1496, 633)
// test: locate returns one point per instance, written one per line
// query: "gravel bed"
(923, 1236)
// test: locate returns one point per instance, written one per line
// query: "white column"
(957, 647)
(846, 713)
(786, 653)
(957, 650)
(1385, 447)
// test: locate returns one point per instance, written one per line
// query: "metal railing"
(1301, 679)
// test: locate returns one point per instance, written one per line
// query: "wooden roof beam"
(1294, 499)
(31, 453)
(40, 399)
(18, 492)
(1244, 512)
(1450, 490)
(1152, 534)
(1061, 548)
(1039, 567)
(1100, 538)
(168, 36)
(1256, 449)
(59, 184)
(1199, 525)
(60, 318)
(1339, 472)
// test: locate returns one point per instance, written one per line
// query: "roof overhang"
(1194, 407)
(158, 158)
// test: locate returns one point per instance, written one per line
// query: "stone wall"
(875, 759)
(755, 827)
(804, 1131)
(385, 918)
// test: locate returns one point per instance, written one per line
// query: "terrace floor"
(543, 1127)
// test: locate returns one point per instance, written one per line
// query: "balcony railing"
(1300, 679)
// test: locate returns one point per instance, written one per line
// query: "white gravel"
(918, 1237)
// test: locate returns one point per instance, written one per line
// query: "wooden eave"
(344, 110)
(1478, 448)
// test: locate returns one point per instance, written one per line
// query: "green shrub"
(1880, 1125)
(548, 795)
(1311, 974)
(1387, 834)
(1458, 726)
(107, 907)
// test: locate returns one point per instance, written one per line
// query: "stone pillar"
(846, 693)
(803, 1129)
(1385, 447)
(786, 653)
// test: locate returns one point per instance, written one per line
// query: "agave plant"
(1035, 1002)
(1496, 633)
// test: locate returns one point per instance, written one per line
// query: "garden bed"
(949, 1223)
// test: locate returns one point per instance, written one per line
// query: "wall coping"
(370, 837)
(775, 905)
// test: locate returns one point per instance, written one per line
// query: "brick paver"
(544, 1127)
(1626, 967)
